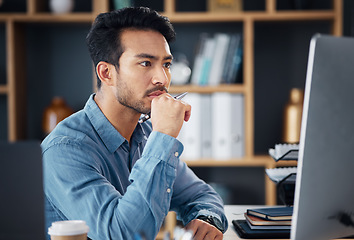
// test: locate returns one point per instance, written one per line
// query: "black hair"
(103, 39)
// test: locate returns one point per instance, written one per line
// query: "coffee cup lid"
(68, 228)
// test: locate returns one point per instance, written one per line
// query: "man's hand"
(204, 230)
(168, 114)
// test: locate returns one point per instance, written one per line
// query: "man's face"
(144, 69)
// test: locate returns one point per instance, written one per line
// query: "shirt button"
(176, 154)
(168, 190)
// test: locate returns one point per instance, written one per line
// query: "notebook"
(272, 213)
(244, 231)
(21, 191)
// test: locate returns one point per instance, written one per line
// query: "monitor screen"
(324, 197)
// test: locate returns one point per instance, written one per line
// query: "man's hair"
(104, 41)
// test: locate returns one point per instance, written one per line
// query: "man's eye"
(145, 64)
(168, 65)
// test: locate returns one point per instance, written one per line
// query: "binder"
(205, 125)
(227, 126)
(234, 60)
(198, 60)
(208, 54)
(190, 134)
(230, 63)
(218, 63)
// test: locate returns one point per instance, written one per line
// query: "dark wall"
(236, 185)
(281, 52)
(58, 65)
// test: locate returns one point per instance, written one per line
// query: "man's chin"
(145, 111)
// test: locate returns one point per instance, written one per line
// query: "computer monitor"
(21, 191)
(324, 195)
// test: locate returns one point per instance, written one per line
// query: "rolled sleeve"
(169, 151)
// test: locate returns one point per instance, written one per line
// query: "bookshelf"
(248, 19)
(16, 94)
(14, 90)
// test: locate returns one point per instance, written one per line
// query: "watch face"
(218, 224)
(213, 221)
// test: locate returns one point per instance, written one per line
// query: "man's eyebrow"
(169, 57)
(146, 55)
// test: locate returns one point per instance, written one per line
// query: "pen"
(147, 116)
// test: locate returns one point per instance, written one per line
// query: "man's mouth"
(157, 92)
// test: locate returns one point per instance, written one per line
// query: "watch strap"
(213, 221)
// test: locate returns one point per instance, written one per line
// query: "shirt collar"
(138, 134)
(111, 138)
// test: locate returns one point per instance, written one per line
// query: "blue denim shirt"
(92, 173)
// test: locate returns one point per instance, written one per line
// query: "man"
(102, 166)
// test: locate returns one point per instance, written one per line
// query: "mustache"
(158, 88)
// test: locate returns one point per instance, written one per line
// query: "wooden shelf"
(49, 17)
(295, 16)
(240, 88)
(254, 161)
(179, 17)
(194, 17)
(3, 89)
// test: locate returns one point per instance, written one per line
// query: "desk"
(235, 212)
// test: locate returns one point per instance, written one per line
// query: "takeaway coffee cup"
(68, 230)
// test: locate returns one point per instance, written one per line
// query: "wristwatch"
(213, 221)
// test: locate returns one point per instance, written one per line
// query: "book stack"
(273, 218)
(218, 60)
(272, 222)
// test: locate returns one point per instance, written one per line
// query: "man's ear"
(105, 72)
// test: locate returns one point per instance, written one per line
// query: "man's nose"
(161, 76)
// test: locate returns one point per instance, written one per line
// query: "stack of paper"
(284, 152)
(278, 174)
